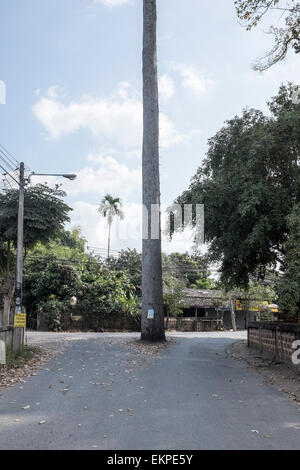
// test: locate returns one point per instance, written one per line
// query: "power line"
(9, 156)
(6, 161)
(12, 177)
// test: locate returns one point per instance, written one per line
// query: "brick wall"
(274, 339)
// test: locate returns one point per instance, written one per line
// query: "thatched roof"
(203, 298)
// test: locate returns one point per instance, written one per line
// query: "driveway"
(100, 392)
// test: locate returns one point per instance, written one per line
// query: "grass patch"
(14, 360)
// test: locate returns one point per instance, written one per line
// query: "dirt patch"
(144, 348)
(282, 376)
(33, 358)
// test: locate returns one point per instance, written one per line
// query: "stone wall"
(274, 339)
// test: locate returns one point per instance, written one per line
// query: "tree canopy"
(289, 284)
(45, 213)
(249, 183)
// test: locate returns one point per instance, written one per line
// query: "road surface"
(98, 394)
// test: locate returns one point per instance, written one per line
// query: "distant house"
(207, 309)
(201, 303)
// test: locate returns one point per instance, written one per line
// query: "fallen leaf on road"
(42, 422)
(26, 407)
(255, 431)
(267, 436)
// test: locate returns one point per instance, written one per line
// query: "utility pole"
(18, 338)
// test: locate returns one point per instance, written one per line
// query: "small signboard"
(20, 320)
(150, 314)
(252, 305)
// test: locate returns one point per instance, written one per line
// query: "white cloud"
(117, 119)
(103, 174)
(166, 87)
(113, 3)
(193, 79)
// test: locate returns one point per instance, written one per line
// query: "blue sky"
(72, 71)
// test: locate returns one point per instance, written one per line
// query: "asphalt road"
(98, 394)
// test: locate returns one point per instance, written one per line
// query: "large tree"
(248, 183)
(44, 216)
(286, 36)
(152, 304)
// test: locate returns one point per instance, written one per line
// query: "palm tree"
(152, 302)
(109, 208)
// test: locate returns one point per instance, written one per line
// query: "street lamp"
(20, 318)
(70, 177)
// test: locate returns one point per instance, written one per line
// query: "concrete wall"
(274, 339)
(6, 335)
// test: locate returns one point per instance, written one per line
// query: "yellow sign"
(20, 320)
(253, 306)
(257, 306)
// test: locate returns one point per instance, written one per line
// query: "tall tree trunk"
(152, 302)
(108, 244)
(232, 310)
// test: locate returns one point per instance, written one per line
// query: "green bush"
(53, 310)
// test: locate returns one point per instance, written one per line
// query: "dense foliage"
(289, 285)
(45, 213)
(61, 269)
(249, 183)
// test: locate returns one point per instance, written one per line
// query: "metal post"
(18, 337)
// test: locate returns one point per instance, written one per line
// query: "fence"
(193, 324)
(274, 339)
